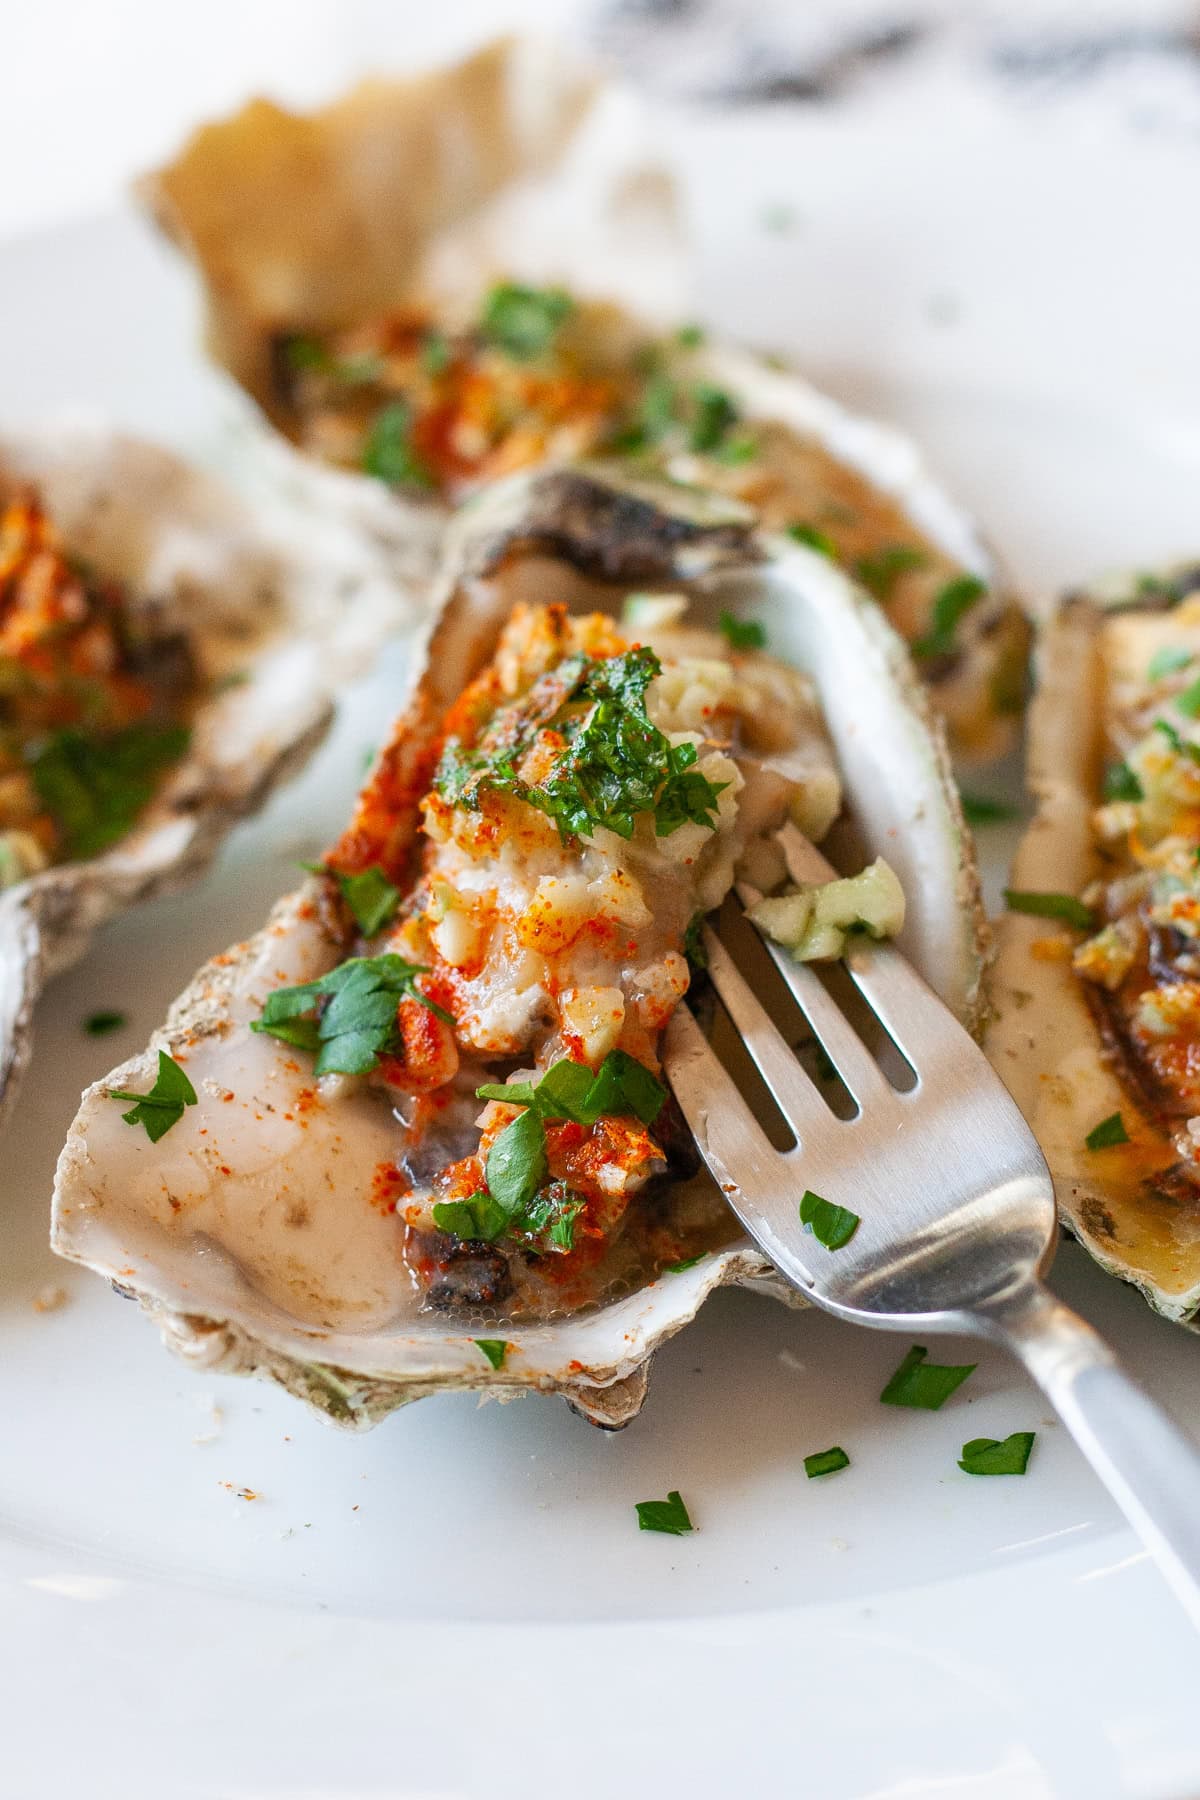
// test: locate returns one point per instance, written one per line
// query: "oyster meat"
(167, 655)
(435, 336)
(1098, 977)
(510, 909)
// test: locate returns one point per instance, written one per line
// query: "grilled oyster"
(1098, 976)
(369, 325)
(166, 656)
(340, 1232)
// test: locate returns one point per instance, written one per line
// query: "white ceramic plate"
(460, 1604)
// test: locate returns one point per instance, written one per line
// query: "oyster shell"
(315, 240)
(1070, 1037)
(276, 610)
(284, 1267)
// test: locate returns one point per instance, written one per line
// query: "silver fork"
(955, 1200)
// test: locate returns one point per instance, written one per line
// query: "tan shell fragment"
(285, 607)
(1044, 1040)
(567, 535)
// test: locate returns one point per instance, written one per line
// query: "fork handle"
(1147, 1464)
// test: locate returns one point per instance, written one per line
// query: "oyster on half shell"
(273, 609)
(436, 283)
(252, 1231)
(1097, 1033)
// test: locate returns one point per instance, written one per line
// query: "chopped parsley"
(1179, 745)
(305, 355)
(981, 809)
(524, 321)
(1120, 783)
(951, 606)
(693, 942)
(95, 787)
(1167, 661)
(880, 572)
(163, 1106)
(99, 1024)
(814, 537)
(831, 1225)
(521, 1201)
(435, 352)
(926, 1386)
(495, 1349)
(347, 1017)
(689, 1262)
(370, 896)
(669, 1515)
(388, 452)
(1050, 906)
(713, 415)
(616, 764)
(1188, 700)
(826, 1462)
(690, 337)
(997, 1456)
(1107, 1133)
(742, 634)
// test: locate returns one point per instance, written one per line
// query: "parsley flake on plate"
(99, 1024)
(826, 1462)
(669, 1515)
(926, 1386)
(997, 1456)
(347, 1018)
(163, 1106)
(831, 1225)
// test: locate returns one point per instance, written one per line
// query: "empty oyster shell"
(1098, 1021)
(257, 1248)
(275, 611)
(365, 235)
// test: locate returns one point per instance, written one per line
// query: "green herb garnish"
(669, 1515)
(880, 572)
(690, 337)
(693, 942)
(981, 809)
(815, 538)
(826, 1462)
(347, 1017)
(524, 321)
(1167, 661)
(516, 1162)
(388, 452)
(1120, 783)
(997, 1456)
(1179, 745)
(1107, 1133)
(495, 1349)
(713, 414)
(831, 1225)
(1051, 906)
(435, 352)
(616, 764)
(924, 1385)
(370, 896)
(99, 1024)
(952, 604)
(478, 1219)
(689, 1262)
(95, 787)
(1188, 700)
(163, 1106)
(742, 634)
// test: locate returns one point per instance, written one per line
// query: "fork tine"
(837, 1037)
